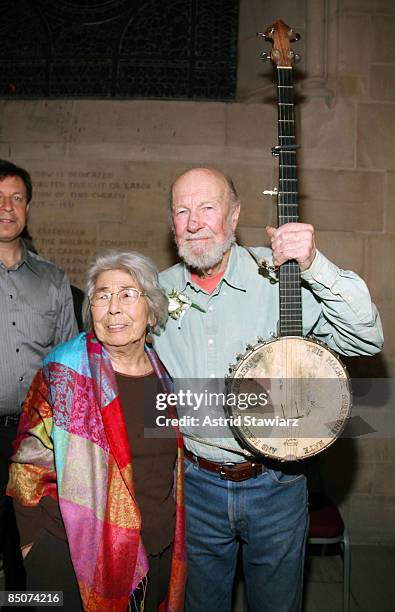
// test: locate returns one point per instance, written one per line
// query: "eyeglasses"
(127, 296)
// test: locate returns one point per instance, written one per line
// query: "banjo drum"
(303, 387)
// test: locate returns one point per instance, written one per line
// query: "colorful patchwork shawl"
(72, 444)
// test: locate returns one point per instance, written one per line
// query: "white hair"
(142, 269)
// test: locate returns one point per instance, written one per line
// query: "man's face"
(13, 208)
(204, 221)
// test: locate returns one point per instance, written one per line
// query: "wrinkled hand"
(293, 241)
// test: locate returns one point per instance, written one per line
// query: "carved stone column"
(317, 22)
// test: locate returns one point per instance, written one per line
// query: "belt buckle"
(194, 459)
(222, 473)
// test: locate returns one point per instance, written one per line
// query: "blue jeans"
(267, 516)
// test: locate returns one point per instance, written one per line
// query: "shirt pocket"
(42, 326)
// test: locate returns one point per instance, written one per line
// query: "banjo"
(306, 388)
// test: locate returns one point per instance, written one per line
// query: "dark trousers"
(158, 579)
(49, 568)
(15, 579)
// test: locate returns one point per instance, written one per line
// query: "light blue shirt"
(337, 309)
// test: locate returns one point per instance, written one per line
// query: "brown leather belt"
(227, 471)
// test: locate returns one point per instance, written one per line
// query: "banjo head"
(288, 398)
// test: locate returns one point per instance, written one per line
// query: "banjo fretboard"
(287, 203)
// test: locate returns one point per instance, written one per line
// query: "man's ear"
(235, 215)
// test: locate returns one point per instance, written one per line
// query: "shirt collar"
(26, 258)
(232, 275)
(234, 271)
(29, 259)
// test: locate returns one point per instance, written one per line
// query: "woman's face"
(115, 324)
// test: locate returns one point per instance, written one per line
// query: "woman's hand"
(25, 549)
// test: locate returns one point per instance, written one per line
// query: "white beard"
(209, 256)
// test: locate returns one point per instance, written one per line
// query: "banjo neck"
(308, 391)
(290, 298)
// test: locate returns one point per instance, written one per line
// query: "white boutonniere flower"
(179, 304)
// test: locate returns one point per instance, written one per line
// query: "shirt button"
(349, 298)
(13, 323)
(210, 308)
(212, 375)
(17, 350)
(20, 378)
(210, 341)
(10, 296)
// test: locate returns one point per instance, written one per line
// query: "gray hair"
(145, 273)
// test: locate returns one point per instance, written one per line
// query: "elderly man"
(230, 502)
(36, 313)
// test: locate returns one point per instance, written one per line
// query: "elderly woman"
(110, 538)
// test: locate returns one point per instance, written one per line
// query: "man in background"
(36, 313)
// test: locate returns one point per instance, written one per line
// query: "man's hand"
(25, 549)
(293, 241)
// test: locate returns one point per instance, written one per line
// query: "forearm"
(349, 321)
(29, 520)
(32, 470)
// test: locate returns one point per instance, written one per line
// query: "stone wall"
(102, 171)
